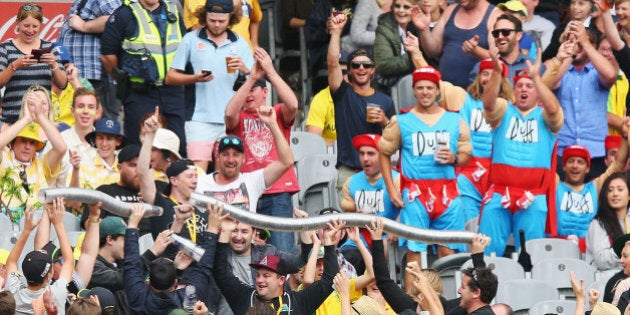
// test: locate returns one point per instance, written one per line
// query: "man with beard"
(127, 189)
(582, 84)
(359, 109)
(576, 200)
(218, 57)
(432, 143)
(523, 138)
(507, 33)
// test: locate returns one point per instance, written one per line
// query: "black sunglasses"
(24, 181)
(365, 64)
(261, 235)
(503, 31)
(29, 7)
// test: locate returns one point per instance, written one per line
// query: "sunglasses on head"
(522, 72)
(365, 64)
(503, 31)
(31, 6)
(233, 140)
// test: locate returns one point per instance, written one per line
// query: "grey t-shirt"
(24, 297)
(241, 268)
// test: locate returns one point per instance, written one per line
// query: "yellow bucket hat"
(32, 132)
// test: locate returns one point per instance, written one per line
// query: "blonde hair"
(475, 89)
(433, 278)
(37, 88)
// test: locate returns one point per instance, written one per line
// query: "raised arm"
(147, 184)
(89, 247)
(362, 281)
(493, 106)
(606, 70)
(16, 251)
(285, 93)
(55, 210)
(59, 148)
(277, 168)
(552, 112)
(620, 158)
(335, 76)
(612, 34)
(431, 39)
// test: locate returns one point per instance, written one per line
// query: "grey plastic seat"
(402, 93)
(447, 267)
(316, 174)
(559, 307)
(305, 144)
(504, 268)
(523, 294)
(557, 272)
(544, 248)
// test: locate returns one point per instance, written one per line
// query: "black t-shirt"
(350, 112)
(484, 310)
(124, 194)
(163, 222)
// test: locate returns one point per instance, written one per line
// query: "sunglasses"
(25, 181)
(232, 140)
(503, 31)
(365, 64)
(261, 235)
(404, 7)
(30, 6)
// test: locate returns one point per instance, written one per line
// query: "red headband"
(576, 151)
(427, 73)
(487, 64)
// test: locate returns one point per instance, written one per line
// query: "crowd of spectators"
(518, 125)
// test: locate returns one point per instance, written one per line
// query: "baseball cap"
(219, 6)
(36, 266)
(178, 167)
(31, 131)
(107, 126)
(271, 262)
(231, 142)
(612, 142)
(260, 82)
(105, 297)
(576, 151)
(487, 64)
(64, 55)
(427, 73)
(128, 152)
(113, 226)
(52, 250)
(167, 140)
(357, 53)
(367, 139)
(514, 6)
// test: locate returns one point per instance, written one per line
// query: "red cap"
(612, 142)
(427, 73)
(577, 151)
(271, 262)
(487, 64)
(368, 139)
(522, 73)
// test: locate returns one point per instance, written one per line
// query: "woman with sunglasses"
(27, 60)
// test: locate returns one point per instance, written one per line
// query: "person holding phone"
(27, 60)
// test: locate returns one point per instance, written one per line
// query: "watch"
(455, 160)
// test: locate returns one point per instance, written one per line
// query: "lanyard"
(191, 224)
(279, 307)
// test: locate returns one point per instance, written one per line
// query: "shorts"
(200, 138)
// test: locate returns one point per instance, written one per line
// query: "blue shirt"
(583, 100)
(85, 48)
(518, 64)
(213, 96)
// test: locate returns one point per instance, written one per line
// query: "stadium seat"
(523, 294)
(559, 307)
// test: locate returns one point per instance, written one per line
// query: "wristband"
(13, 67)
(55, 68)
(455, 160)
(94, 220)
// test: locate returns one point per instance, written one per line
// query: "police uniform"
(145, 43)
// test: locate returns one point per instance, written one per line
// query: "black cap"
(129, 152)
(105, 297)
(178, 167)
(52, 250)
(219, 6)
(36, 266)
(260, 82)
(231, 142)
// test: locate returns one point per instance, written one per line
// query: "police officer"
(138, 45)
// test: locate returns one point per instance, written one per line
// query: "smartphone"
(206, 72)
(37, 53)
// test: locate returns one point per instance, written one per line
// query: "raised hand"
(29, 222)
(152, 124)
(264, 60)
(137, 212)
(420, 19)
(470, 44)
(334, 227)
(161, 242)
(182, 261)
(267, 114)
(336, 22)
(479, 243)
(217, 218)
(376, 228)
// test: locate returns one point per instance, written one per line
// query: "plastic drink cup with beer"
(371, 110)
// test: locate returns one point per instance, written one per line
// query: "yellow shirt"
(190, 7)
(96, 173)
(62, 103)
(332, 304)
(617, 99)
(322, 114)
(12, 192)
(252, 13)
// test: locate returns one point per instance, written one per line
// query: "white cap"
(167, 140)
